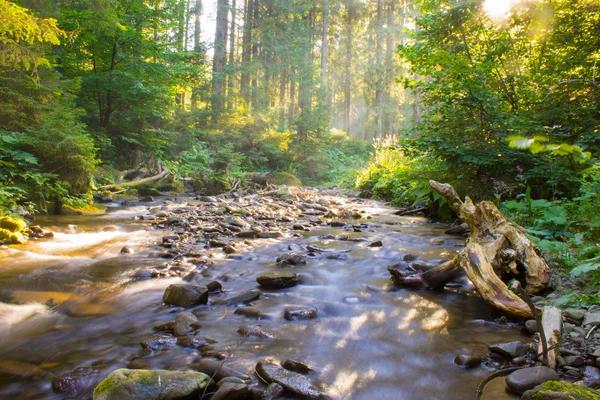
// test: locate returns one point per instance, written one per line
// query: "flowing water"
(72, 302)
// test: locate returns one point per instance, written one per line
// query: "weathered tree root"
(498, 250)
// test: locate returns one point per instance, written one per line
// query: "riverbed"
(75, 301)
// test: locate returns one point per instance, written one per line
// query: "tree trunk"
(324, 42)
(498, 250)
(348, 69)
(219, 58)
(231, 61)
(197, 48)
(378, 72)
(246, 51)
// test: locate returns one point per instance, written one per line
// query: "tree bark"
(219, 58)
(498, 250)
(348, 68)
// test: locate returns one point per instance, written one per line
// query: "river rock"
(290, 381)
(574, 361)
(510, 349)
(74, 382)
(291, 259)
(531, 326)
(296, 366)
(273, 391)
(528, 378)
(591, 374)
(592, 318)
(251, 312)
(140, 384)
(297, 313)
(158, 342)
(127, 250)
(244, 297)
(214, 286)
(219, 370)
(377, 243)
(186, 295)
(231, 391)
(574, 314)
(185, 323)
(255, 330)
(468, 360)
(277, 280)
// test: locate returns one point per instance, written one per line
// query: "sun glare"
(497, 9)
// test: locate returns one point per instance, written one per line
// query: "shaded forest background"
(380, 95)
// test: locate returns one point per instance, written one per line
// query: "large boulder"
(186, 295)
(290, 381)
(143, 384)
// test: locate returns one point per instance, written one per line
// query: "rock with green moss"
(141, 384)
(560, 390)
(12, 230)
(285, 178)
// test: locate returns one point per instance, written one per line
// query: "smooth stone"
(186, 295)
(572, 371)
(592, 318)
(229, 379)
(519, 361)
(277, 280)
(127, 250)
(219, 370)
(244, 297)
(145, 273)
(300, 313)
(468, 360)
(290, 381)
(531, 326)
(574, 314)
(291, 259)
(296, 366)
(231, 391)
(214, 286)
(74, 382)
(139, 384)
(574, 361)
(251, 312)
(591, 374)
(185, 323)
(528, 378)
(510, 349)
(255, 330)
(377, 243)
(410, 257)
(273, 391)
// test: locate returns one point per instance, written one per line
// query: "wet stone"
(127, 384)
(244, 297)
(290, 381)
(528, 378)
(574, 361)
(19, 369)
(251, 312)
(591, 374)
(231, 391)
(74, 382)
(186, 323)
(531, 326)
(468, 360)
(214, 286)
(158, 342)
(186, 295)
(127, 250)
(510, 350)
(300, 313)
(296, 366)
(277, 280)
(220, 369)
(273, 391)
(291, 259)
(256, 331)
(410, 257)
(145, 273)
(377, 243)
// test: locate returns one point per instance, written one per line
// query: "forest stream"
(76, 308)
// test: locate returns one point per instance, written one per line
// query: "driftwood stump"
(497, 251)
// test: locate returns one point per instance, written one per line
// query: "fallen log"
(498, 250)
(135, 183)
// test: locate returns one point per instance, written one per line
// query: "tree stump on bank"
(497, 251)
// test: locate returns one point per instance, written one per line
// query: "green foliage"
(285, 178)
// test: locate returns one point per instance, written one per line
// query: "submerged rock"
(277, 280)
(158, 342)
(244, 297)
(468, 360)
(291, 259)
(527, 378)
(231, 391)
(273, 392)
(510, 349)
(296, 366)
(186, 295)
(290, 381)
(140, 384)
(297, 313)
(74, 382)
(20, 369)
(219, 370)
(255, 330)
(251, 312)
(186, 323)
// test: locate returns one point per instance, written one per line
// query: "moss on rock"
(285, 178)
(12, 230)
(575, 392)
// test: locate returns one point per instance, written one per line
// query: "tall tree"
(219, 58)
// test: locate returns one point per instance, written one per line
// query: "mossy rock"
(285, 178)
(169, 184)
(13, 224)
(88, 209)
(148, 190)
(548, 390)
(9, 237)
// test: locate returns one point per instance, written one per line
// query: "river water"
(72, 301)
